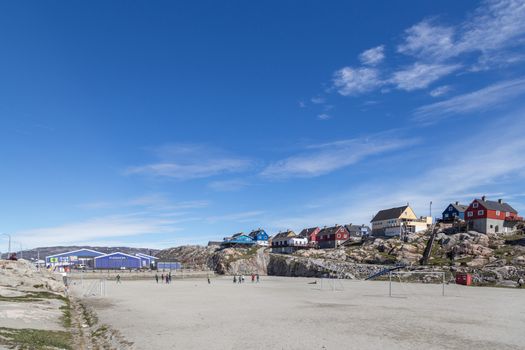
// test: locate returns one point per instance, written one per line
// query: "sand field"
(291, 313)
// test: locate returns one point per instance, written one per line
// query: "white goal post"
(405, 278)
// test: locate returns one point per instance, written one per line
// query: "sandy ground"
(290, 313)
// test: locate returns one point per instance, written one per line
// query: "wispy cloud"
(488, 38)
(353, 81)
(483, 99)
(228, 185)
(440, 90)
(99, 228)
(325, 158)
(324, 116)
(318, 100)
(420, 75)
(373, 56)
(185, 162)
(462, 177)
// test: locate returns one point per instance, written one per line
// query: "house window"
(507, 213)
(469, 214)
(446, 215)
(481, 212)
(497, 212)
(475, 205)
(450, 208)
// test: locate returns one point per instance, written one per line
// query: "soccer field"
(291, 313)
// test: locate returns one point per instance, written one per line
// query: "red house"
(332, 237)
(310, 233)
(487, 216)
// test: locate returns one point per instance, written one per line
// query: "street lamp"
(9, 250)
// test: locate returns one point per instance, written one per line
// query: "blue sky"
(159, 123)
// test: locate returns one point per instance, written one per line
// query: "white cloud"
(329, 157)
(184, 162)
(373, 56)
(495, 25)
(428, 41)
(99, 228)
(489, 97)
(421, 75)
(488, 167)
(353, 81)
(324, 116)
(318, 100)
(228, 185)
(440, 90)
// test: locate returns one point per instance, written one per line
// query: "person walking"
(170, 276)
(162, 277)
(253, 277)
(209, 282)
(167, 279)
(520, 282)
(118, 278)
(239, 280)
(157, 278)
(257, 278)
(234, 278)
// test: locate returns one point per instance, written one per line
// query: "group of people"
(240, 278)
(163, 278)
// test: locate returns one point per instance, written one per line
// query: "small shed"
(118, 260)
(147, 261)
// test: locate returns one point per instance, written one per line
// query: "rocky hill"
(492, 259)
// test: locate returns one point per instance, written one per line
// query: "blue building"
(118, 260)
(75, 258)
(454, 210)
(238, 240)
(259, 236)
(147, 261)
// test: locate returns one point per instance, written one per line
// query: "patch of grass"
(90, 319)
(33, 296)
(66, 314)
(34, 339)
(100, 332)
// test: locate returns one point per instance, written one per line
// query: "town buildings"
(260, 237)
(399, 220)
(311, 235)
(332, 237)
(357, 231)
(488, 216)
(288, 242)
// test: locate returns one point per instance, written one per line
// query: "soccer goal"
(416, 283)
(333, 284)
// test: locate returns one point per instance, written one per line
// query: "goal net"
(404, 284)
(333, 284)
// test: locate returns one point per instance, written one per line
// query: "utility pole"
(430, 209)
(9, 249)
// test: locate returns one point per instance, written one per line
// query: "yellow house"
(394, 221)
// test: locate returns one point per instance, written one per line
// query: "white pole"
(443, 292)
(390, 283)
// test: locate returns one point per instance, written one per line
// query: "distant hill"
(46, 251)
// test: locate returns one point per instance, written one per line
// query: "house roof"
(117, 253)
(307, 231)
(254, 233)
(238, 234)
(331, 230)
(392, 213)
(146, 255)
(496, 205)
(285, 234)
(91, 252)
(351, 227)
(459, 207)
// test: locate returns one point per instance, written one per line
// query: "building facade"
(75, 258)
(260, 237)
(332, 237)
(487, 216)
(288, 242)
(454, 211)
(396, 221)
(117, 261)
(311, 235)
(357, 231)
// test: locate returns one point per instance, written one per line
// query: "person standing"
(162, 277)
(209, 282)
(257, 278)
(169, 277)
(118, 278)
(253, 277)
(234, 278)
(157, 278)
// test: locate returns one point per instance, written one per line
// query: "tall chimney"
(457, 202)
(500, 201)
(483, 198)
